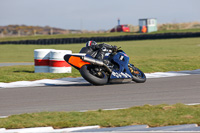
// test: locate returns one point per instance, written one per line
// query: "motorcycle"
(114, 68)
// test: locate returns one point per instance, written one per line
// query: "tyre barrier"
(57, 64)
(51, 61)
(41, 60)
(105, 39)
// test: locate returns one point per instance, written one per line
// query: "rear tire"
(87, 75)
(138, 75)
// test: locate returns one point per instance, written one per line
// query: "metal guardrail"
(105, 39)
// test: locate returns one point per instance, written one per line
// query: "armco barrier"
(105, 39)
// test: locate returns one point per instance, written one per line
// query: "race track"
(79, 97)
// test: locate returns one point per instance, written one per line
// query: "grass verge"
(35, 37)
(148, 55)
(26, 73)
(157, 115)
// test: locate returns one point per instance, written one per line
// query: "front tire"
(93, 79)
(138, 75)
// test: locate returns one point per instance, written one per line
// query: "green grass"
(35, 37)
(148, 55)
(65, 36)
(26, 73)
(157, 115)
(177, 31)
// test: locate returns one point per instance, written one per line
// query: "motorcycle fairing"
(123, 72)
(75, 60)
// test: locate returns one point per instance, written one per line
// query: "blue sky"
(95, 14)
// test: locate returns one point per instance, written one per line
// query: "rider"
(97, 51)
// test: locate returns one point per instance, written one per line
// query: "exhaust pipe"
(96, 62)
(93, 61)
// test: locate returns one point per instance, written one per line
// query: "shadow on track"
(87, 84)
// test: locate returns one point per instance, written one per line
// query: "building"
(147, 25)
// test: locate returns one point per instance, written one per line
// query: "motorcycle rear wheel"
(138, 75)
(93, 79)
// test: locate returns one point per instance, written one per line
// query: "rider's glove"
(114, 48)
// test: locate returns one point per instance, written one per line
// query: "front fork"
(133, 70)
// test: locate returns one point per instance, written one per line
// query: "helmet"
(90, 43)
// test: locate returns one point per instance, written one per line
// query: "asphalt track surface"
(171, 90)
(12, 64)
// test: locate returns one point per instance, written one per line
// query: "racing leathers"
(98, 51)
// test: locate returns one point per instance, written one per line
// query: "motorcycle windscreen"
(75, 61)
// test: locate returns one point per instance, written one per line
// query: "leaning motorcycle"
(114, 68)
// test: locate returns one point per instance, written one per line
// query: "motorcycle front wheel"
(95, 78)
(138, 75)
